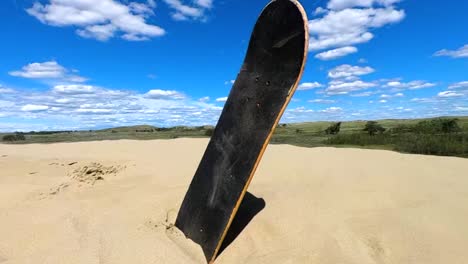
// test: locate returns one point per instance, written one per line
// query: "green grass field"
(400, 135)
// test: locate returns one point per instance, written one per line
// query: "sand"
(115, 202)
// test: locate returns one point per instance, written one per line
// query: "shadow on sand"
(248, 209)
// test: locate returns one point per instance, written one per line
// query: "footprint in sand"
(86, 175)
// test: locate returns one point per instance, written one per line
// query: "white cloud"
(221, 99)
(346, 70)
(461, 109)
(413, 85)
(459, 53)
(344, 87)
(322, 101)
(309, 86)
(332, 110)
(342, 4)
(6, 104)
(99, 19)
(382, 101)
(346, 27)
(336, 53)
(319, 10)
(165, 94)
(74, 89)
(392, 96)
(364, 94)
(423, 100)
(362, 60)
(229, 82)
(449, 94)
(94, 111)
(6, 90)
(96, 107)
(33, 108)
(204, 99)
(459, 85)
(204, 3)
(186, 12)
(47, 70)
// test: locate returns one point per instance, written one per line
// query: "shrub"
(15, 137)
(209, 132)
(333, 129)
(359, 139)
(437, 126)
(372, 127)
(445, 145)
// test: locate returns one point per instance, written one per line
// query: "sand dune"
(115, 202)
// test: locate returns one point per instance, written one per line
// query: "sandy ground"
(114, 202)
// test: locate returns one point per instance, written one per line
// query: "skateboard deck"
(264, 86)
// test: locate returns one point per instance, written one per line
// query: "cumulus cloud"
(87, 107)
(386, 96)
(204, 3)
(449, 94)
(4, 90)
(336, 53)
(346, 71)
(346, 79)
(34, 108)
(342, 25)
(459, 85)
(74, 89)
(322, 101)
(204, 99)
(221, 99)
(47, 70)
(459, 53)
(342, 4)
(363, 94)
(100, 20)
(345, 87)
(165, 94)
(185, 12)
(413, 85)
(333, 110)
(309, 86)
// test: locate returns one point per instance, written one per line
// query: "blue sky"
(85, 64)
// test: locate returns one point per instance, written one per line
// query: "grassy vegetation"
(143, 132)
(423, 136)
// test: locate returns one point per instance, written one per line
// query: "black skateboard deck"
(267, 80)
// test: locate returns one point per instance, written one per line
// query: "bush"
(209, 132)
(359, 139)
(373, 128)
(445, 145)
(437, 126)
(428, 144)
(333, 129)
(12, 138)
